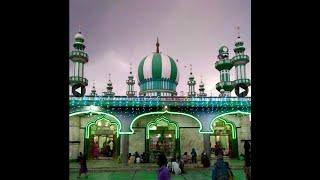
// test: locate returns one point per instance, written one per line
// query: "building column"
(124, 148)
(207, 145)
(240, 145)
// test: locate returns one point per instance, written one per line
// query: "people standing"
(247, 159)
(95, 150)
(111, 148)
(193, 156)
(181, 164)
(82, 160)
(185, 158)
(163, 172)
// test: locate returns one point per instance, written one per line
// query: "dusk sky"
(120, 32)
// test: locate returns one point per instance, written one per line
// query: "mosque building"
(155, 119)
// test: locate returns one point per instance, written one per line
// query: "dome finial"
(130, 68)
(190, 68)
(79, 29)
(201, 78)
(109, 76)
(157, 44)
(238, 31)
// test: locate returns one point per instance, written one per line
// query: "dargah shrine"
(154, 119)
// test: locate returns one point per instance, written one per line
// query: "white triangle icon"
(78, 90)
(241, 90)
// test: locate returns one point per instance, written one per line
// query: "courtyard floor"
(203, 174)
(111, 170)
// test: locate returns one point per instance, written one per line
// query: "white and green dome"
(158, 66)
(158, 75)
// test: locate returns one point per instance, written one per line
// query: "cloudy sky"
(120, 32)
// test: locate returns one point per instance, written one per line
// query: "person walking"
(82, 165)
(163, 172)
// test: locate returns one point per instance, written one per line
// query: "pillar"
(124, 148)
(207, 145)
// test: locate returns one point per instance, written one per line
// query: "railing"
(78, 79)
(160, 99)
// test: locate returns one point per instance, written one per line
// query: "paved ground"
(111, 170)
(204, 174)
(109, 165)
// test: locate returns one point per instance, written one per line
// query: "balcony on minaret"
(131, 93)
(77, 80)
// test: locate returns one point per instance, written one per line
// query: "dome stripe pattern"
(140, 69)
(156, 67)
(174, 70)
(147, 68)
(166, 72)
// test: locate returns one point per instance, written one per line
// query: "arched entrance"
(173, 131)
(162, 137)
(224, 133)
(102, 136)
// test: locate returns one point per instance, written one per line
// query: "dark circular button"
(78, 90)
(241, 90)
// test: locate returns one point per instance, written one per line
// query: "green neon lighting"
(226, 122)
(161, 113)
(95, 121)
(167, 120)
(233, 127)
(118, 123)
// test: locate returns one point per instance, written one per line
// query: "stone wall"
(137, 141)
(191, 138)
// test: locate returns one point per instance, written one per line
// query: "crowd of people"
(221, 169)
(107, 149)
(137, 158)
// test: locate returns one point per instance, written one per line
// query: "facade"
(157, 120)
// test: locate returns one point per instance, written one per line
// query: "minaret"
(191, 84)
(93, 91)
(201, 89)
(109, 88)
(130, 83)
(239, 61)
(223, 65)
(79, 57)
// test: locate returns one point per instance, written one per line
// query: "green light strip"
(233, 127)
(160, 113)
(118, 123)
(103, 118)
(162, 118)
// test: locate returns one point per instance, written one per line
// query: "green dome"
(223, 49)
(158, 66)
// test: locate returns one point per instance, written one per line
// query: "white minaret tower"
(109, 88)
(239, 62)
(130, 82)
(201, 89)
(79, 57)
(191, 84)
(93, 91)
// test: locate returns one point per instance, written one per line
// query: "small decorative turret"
(130, 82)
(191, 84)
(93, 91)
(109, 88)
(201, 89)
